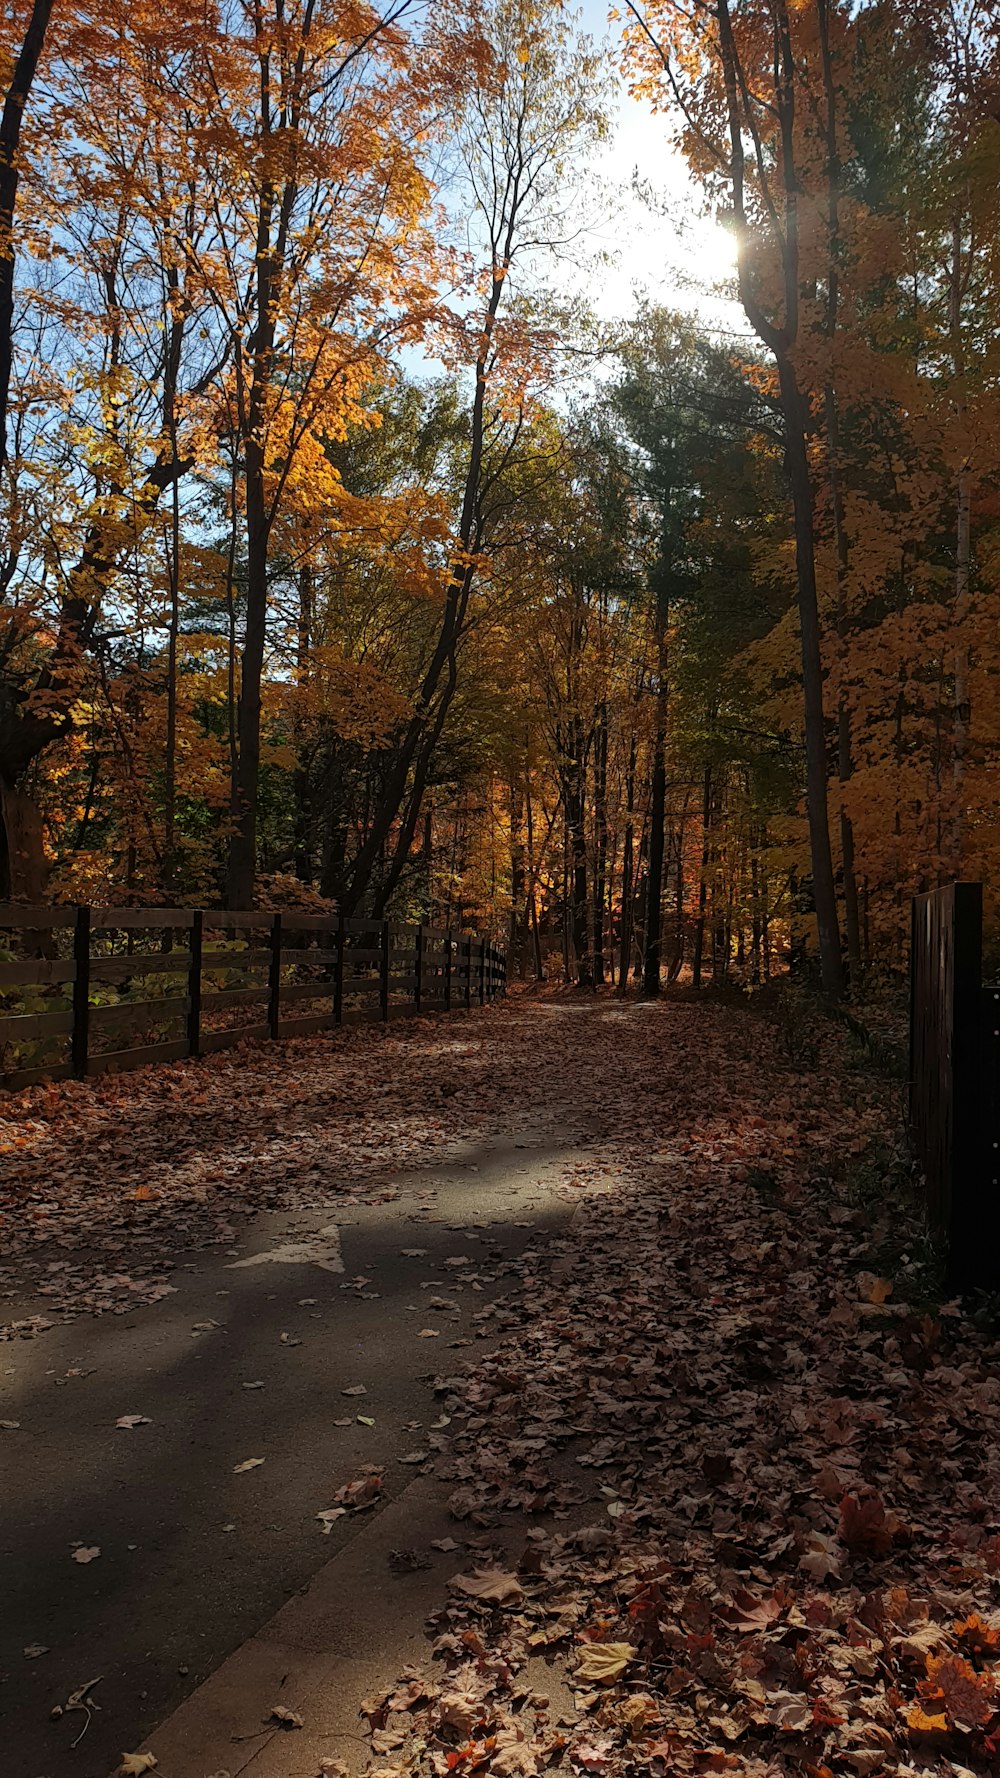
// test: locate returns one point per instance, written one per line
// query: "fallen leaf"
(952, 1684)
(923, 1723)
(249, 1463)
(128, 1421)
(492, 1589)
(134, 1764)
(872, 1289)
(88, 1553)
(289, 1719)
(601, 1663)
(865, 1526)
(362, 1492)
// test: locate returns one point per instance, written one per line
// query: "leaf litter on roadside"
(758, 1493)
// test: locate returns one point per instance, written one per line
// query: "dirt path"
(736, 1459)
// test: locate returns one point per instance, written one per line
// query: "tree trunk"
(518, 896)
(566, 897)
(845, 763)
(963, 566)
(243, 846)
(532, 902)
(23, 865)
(625, 942)
(706, 843)
(301, 790)
(600, 837)
(821, 855)
(575, 778)
(11, 124)
(170, 764)
(677, 961)
(755, 926)
(657, 807)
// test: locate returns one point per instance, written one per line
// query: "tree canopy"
(349, 560)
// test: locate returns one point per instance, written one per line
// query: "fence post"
(952, 1091)
(418, 984)
(482, 972)
(447, 969)
(468, 974)
(971, 1253)
(915, 959)
(194, 984)
(274, 980)
(383, 983)
(338, 972)
(81, 993)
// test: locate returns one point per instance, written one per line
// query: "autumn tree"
(520, 128)
(737, 73)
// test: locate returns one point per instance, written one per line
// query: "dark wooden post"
(338, 972)
(952, 1057)
(194, 983)
(384, 958)
(274, 982)
(915, 970)
(81, 993)
(482, 972)
(971, 1258)
(447, 970)
(418, 983)
(468, 974)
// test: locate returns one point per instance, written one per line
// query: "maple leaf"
(361, 1493)
(977, 1637)
(922, 1722)
(492, 1588)
(865, 1525)
(602, 1663)
(747, 1612)
(953, 1686)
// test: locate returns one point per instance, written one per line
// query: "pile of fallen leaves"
(760, 1492)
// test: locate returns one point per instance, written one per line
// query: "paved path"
(194, 1558)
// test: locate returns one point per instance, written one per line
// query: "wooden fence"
(95, 989)
(955, 1081)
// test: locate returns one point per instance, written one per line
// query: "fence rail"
(176, 981)
(955, 1081)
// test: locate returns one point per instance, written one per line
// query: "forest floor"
(718, 1472)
